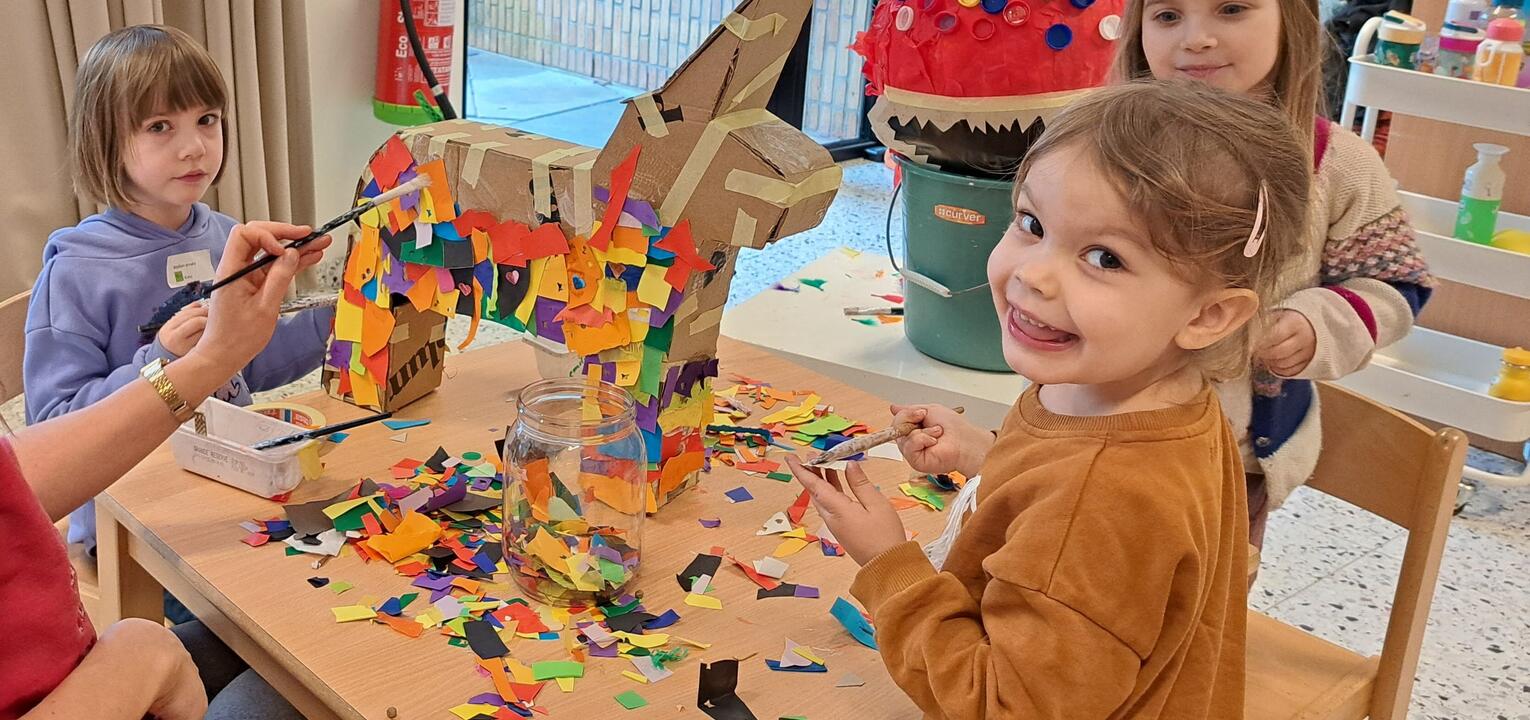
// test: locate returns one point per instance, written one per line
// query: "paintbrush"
(319, 432)
(201, 292)
(856, 446)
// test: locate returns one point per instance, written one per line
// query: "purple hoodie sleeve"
(297, 348)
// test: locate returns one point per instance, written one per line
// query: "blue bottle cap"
(1081, 4)
(994, 7)
(1059, 36)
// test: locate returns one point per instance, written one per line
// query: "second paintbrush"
(856, 446)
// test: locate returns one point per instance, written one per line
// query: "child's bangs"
(174, 80)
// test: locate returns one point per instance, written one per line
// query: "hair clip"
(1256, 233)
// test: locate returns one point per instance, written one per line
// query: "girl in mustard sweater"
(1102, 574)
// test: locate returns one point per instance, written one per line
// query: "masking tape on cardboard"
(688, 305)
(648, 111)
(541, 176)
(438, 143)
(584, 201)
(400, 334)
(766, 76)
(744, 226)
(783, 193)
(474, 163)
(747, 29)
(1017, 103)
(706, 320)
(701, 158)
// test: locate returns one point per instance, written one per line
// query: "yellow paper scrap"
(566, 684)
(348, 321)
(652, 289)
(790, 546)
(466, 711)
(352, 613)
(644, 641)
(703, 601)
(344, 506)
(795, 414)
(520, 671)
(807, 654)
(635, 677)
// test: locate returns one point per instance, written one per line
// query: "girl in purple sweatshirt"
(147, 136)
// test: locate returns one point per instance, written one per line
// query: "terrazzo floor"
(1328, 567)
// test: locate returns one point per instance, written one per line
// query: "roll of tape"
(300, 415)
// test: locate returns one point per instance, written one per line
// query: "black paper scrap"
(703, 565)
(484, 641)
(630, 622)
(717, 692)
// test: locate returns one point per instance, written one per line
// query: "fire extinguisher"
(414, 61)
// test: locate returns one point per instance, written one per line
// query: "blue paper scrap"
(404, 424)
(854, 622)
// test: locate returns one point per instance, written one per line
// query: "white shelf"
(1445, 378)
(1482, 266)
(1462, 102)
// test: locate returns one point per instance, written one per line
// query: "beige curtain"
(259, 44)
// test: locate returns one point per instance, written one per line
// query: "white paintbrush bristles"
(419, 183)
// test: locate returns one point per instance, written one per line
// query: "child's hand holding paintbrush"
(932, 438)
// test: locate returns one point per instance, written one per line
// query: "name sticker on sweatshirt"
(185, 268)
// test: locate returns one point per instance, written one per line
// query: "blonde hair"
(126, 77)
(1297, 81)
(1190, 162)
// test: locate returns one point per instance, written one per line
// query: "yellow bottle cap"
(1517, 356)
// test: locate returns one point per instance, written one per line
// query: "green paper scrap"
(651, 373)
(340, 586)
(351, 519)
(553, 669)
(815, 283)
(613, 573)
(830, 423)
(660, 338)
(405, 599)
(783, 477)
(457, 642)
(631, 700)
(868, 321)
(293, 551)
(924, 494)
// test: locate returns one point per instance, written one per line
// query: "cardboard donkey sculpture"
(624, 253)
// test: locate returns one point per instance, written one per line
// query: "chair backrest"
(1389, 464)
(13, 338)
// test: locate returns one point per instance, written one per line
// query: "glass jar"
(1514, 379)
(575, 478)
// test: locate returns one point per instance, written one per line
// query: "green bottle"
(1481, 194)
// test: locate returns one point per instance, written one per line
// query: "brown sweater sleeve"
(937, 642)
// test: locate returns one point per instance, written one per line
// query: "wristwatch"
(154, 372)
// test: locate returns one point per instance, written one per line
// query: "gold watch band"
(154, 372)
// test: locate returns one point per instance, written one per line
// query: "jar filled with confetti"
(576, 473)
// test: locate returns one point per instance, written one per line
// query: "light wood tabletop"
(163, 527)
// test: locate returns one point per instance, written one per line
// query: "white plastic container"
(224, 453)
(1481, 195)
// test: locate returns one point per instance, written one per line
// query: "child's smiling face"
(1082, 296)
(1231, 45)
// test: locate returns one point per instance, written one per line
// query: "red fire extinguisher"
(414, 55)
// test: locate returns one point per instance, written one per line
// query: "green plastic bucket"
(951, 223)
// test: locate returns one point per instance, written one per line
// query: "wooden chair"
(13, 337)
(1388, 464)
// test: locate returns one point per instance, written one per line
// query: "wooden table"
(161, 527)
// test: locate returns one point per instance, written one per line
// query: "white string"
(965, 502)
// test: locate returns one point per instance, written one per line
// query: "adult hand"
(242, 315)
